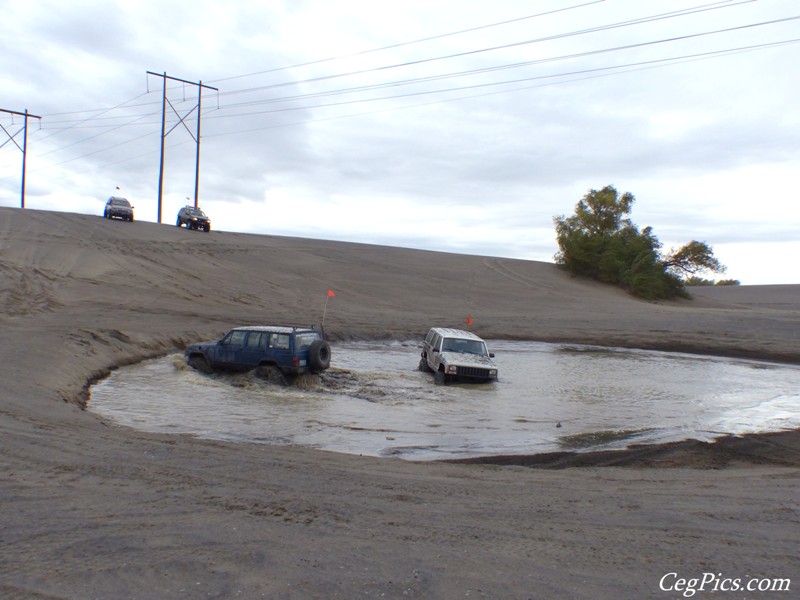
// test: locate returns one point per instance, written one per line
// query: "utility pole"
(24, 148)
(197, 154)
(181, 121)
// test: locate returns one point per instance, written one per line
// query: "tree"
(600, 241)
(693, 258)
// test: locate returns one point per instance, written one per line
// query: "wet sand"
(95, 510)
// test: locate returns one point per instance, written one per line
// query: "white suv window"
(436, 340)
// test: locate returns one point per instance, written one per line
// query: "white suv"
(454, 354)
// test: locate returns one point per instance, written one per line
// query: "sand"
(95, 510)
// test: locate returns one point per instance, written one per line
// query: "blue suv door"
(280, 350)
(228, 350)
(254, 348)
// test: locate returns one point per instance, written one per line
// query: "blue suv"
(289, 350)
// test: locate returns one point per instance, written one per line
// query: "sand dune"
(93, 510)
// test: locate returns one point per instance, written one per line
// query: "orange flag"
(469, 320)
(331, 294)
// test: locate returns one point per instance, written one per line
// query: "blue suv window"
(236, 338)
(256, 340)
(304, 340)
(279, 340)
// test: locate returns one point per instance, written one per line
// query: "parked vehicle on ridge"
(117, 207)
(193, 218)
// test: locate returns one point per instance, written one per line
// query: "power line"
(137, 120)
(418, 41)
(84, 140)
(512, 65)
(585, 73)
(640, 21)
(683, 12)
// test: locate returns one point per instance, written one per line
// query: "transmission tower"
(181, 121)
(24, 147)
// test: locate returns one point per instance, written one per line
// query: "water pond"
(374, 401)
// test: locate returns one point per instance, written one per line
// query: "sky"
(448, 125)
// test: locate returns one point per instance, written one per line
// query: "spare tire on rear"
(319, 356)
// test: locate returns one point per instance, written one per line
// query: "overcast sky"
(453, 125)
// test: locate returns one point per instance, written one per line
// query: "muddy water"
(374, 401)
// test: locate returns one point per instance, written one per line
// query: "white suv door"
(434, 356)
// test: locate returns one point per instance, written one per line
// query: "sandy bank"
(92, 510)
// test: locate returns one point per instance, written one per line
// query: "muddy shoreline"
(776, 448)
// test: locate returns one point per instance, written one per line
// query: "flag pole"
(328, 296)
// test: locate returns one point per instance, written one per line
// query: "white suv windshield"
(464, 346)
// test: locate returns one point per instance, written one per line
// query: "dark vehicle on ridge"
(276, 350)
(118, 207)
(193, 218)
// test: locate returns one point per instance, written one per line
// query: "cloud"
(441, 143)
